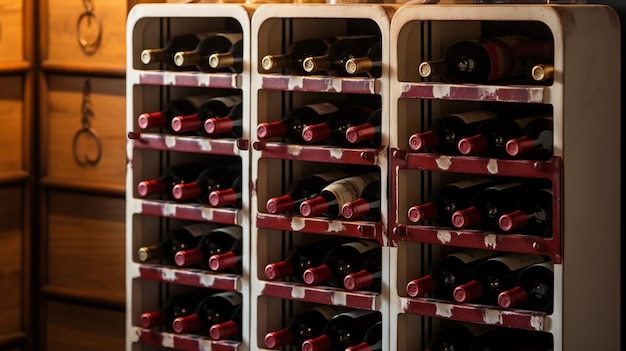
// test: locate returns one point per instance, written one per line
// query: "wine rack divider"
(149, 26)
(572, 170)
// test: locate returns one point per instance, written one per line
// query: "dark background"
(620, 8)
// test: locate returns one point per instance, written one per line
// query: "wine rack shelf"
(409, 104)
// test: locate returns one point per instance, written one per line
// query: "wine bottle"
(447, 273)
(179, 239)
(535, 142)
(291, 59)
(369, 277)
(228, 260)
(231, 59)
(333, 62)
(295, 121)
(487, 60)
(342, 260)
(175, 44)
(172, 176)
(533, 215)
(333, 196)
(372, 341)
(302, 257)
(447, 200)
(494, 276)
(300, 190)
(343, 330)
(370, 63)
(445, 132)
(217, 241)
(212, 108)
(366, 207)
(303, 326)
(177, 107)
(230, 329)
(199, 57)
(176, 306)
(533, 290)
(488, 205)
(227, 197)
(216, 308)
(457, 337)
(333, 130)
(367, 132)
(492, 136)
(215, 177)
(229, 125)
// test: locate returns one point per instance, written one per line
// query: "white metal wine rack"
(584, 171)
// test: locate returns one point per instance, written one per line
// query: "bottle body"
(291, 60)
(332, 197)
(166, 182)
(451, 271)
(291, 126)
(303, 326)
(214, 309)
(333, 130)
(183, 238)
(301, 190)
(366, 207)
(494, 276)
(532, 215)
(533, 290)
(333, 62)
(229, 329)
(536, 141)
(217, 241)
(227, 197)
(368, 133)
(370, 64)
(228, 259)
(200, 56)
(216, 177)
(177, 107)
(343, 330)
(176, 306)
(446, 132)
(215, 107)
(175, 44)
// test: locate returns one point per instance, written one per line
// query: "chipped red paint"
(151, 78)
(155, 141)
(190, 79)
(319, 84)
(320, 225)
(321, 294)
(189, 277)
(319, 153)
(475, 313)
(183, 342)
(193, 212)
(550, 169)
(469, 92)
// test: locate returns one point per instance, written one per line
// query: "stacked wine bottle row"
(391, 198)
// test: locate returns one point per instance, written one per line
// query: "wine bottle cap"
(360, 347)
(187, 58)
(473, 144)
(313, 207)
(316, 275)
(513, 297)
(150, 187)
(421, 286)
(149, 120)
(278, 338)
(268, 62)
(188, 123)
(468, 291)
(358, 280)
(143, 254)
(226, 330)
(357, 134)
(355, 209)
(317, 132)
(465, 218)
(223, 261)
(424, 212)
(271, 129)
(519, 146)
(185, 258)
(280, 204)
(186, 191)
(512, 221)
(358, 65)
(151, 319)
(425, 69)
(311, 64)
(226, 197)
(320, 343)
(542, 72)
(146, 56)
(186, 323)
(221, 60)
(278, 270)
(219, 125)
(421, 141)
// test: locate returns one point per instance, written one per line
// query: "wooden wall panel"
(86, 245)
(11, 112)
(11, 260)
(76, 327)
(11, 34)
